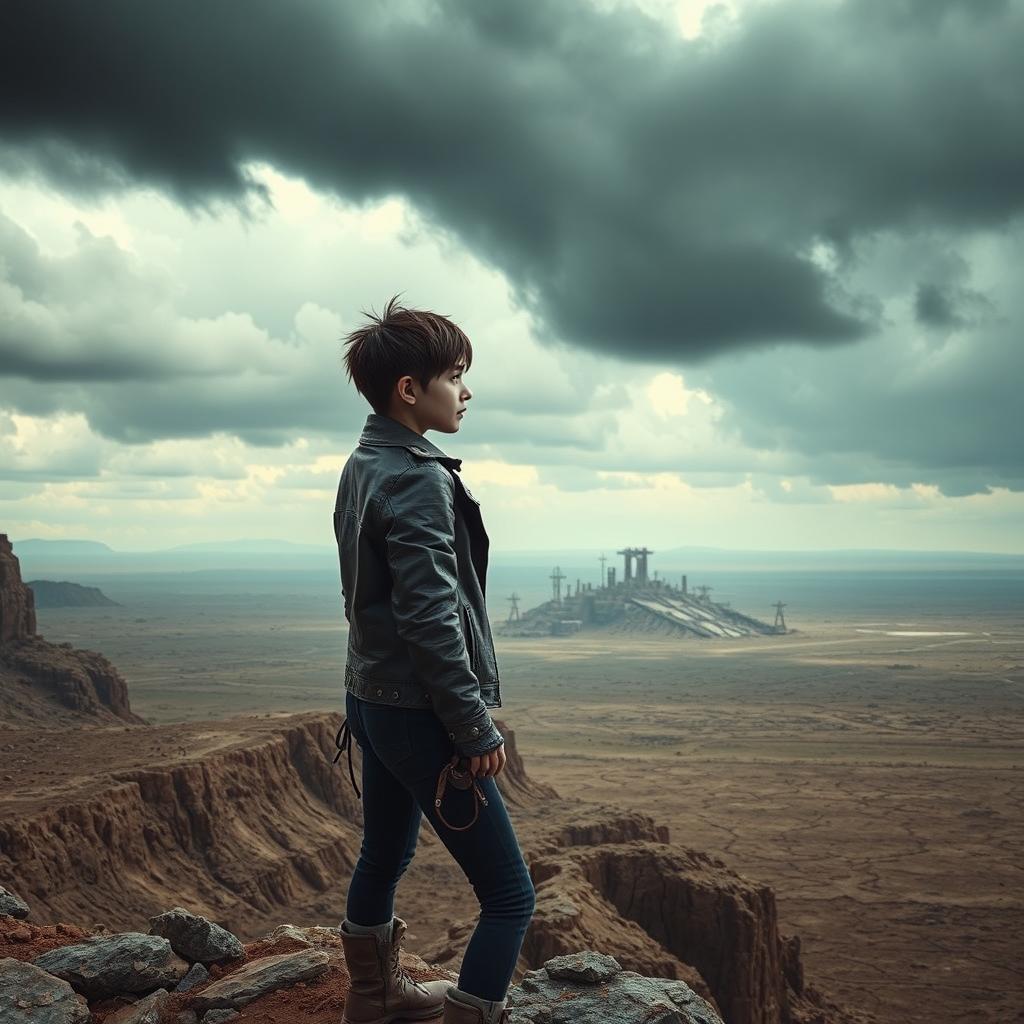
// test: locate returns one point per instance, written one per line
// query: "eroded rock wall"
(17, 606)
(246, 832)
(83, 686)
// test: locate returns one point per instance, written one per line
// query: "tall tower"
(627, 574)
(602, 560)
(641, 563)
(556, 584)
(780, 619)
(513, 613)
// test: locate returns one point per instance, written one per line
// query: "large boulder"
(112, 965)
(195, 938)
(12, 904)
(591, 988)
(259, 977)
(28, 993)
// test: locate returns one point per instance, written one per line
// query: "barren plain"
(869, 770)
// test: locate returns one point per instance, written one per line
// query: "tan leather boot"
(381, 991)
(456, 1012)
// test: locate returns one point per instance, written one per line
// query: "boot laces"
(398, 972)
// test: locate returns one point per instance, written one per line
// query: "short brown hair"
(398, 342)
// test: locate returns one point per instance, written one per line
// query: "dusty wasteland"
(195, 871)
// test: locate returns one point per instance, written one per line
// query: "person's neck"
(406, 419)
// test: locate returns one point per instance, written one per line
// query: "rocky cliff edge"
(45, 684)
(247, 822)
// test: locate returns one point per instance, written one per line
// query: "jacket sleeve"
(419, 533)
(337, 539)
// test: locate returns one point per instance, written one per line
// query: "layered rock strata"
(45, 684)
(17, 607)
(244, 819)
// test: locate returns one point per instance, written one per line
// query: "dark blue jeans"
(403, 751)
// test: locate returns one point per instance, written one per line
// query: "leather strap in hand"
(460, 779)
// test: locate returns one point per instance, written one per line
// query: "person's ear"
(406, 389)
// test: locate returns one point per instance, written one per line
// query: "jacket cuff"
(477, 737)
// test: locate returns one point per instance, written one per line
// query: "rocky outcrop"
(17, 608)
(107, 965)
(194, 938)
(261, 824)
(575, 914)
(517, 788)
(613, 881)
(243, 818)
(295, 974)
(592, 988)
(12, 904)
(29, 993)
(264, 975)
(654, 907)
(55, 684)
(62, 594)
(44, 684)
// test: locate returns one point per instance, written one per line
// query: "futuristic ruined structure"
(637, 603)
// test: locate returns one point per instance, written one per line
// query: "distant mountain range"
(64, 558)
(35, 545)
(45, 557)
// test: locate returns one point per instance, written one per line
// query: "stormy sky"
(739, 274)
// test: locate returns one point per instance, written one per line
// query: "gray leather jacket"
(413, 554)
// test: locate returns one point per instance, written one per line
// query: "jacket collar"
(383, 430)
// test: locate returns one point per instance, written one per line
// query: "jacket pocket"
(467, 629)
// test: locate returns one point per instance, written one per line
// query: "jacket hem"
(408, 693)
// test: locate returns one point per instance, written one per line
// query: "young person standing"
(421, 675)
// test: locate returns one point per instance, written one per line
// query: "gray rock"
(148, 1010)
(584, 966)
(184, 1017)
(195, 938)
(591, 988)
(28, 993)
(196, 976)
(258, 977)
(217, 1016)
(102, 966)
(290, 931)
(12, 905)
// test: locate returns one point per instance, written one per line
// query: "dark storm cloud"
(947, 415)
(949, 308)
(645, 196)
(932, 306)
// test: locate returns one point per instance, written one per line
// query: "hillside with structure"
(637, 603)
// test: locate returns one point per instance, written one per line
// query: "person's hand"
(487, 765)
